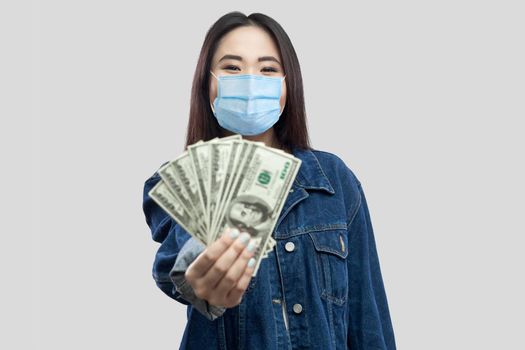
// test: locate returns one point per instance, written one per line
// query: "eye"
(231, 67)
(269, 69)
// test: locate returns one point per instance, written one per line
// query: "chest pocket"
(331, 248)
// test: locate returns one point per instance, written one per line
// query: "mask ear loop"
(211, 104)
(284, 101)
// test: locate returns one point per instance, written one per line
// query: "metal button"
(289, 246)
(297, 308)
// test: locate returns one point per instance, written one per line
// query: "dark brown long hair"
(291, 129)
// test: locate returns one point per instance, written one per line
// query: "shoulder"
(154, 178)
(336, 168)
(342, 178)
(147, 203)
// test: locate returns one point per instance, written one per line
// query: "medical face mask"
(247, 104)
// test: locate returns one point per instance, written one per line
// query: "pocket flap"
(331, 241)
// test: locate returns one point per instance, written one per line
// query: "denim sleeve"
(177, 250)
(189, 252)
(370, 326)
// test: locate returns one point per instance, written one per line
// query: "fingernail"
(245, 237)
(251, 246)
(234, 233)
(251, 262)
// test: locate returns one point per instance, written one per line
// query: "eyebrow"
(239, 58)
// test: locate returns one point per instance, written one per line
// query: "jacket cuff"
(187, 254)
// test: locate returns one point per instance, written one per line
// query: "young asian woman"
(321, 287)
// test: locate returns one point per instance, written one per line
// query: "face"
(246, 213)
(256, 53)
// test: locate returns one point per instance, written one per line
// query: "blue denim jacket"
(320, 288)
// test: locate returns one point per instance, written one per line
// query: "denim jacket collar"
(311, 175)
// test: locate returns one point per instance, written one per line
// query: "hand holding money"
(227, 183)
(222, 272)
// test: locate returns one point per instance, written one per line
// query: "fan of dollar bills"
(226, 183)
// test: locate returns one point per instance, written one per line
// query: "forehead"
(238, 205)
(249, 42)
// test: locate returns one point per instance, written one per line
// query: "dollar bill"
(169, 175)
(183, 170)
(170, 204)
(234, 157)
(220, 157)
(258, 194)
(200, 158)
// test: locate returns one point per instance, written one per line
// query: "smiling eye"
(269, 69)
(231, 67)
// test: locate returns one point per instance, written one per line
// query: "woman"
(321, 286)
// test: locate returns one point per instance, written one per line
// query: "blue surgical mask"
(247, 104)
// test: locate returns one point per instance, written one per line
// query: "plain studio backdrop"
(424, 101)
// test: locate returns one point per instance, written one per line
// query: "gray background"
(424, 101)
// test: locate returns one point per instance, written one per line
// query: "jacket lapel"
(310, 176)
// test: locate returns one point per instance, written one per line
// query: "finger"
(226, 260)
(232, 276)
(239, 289)
(209, 256)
